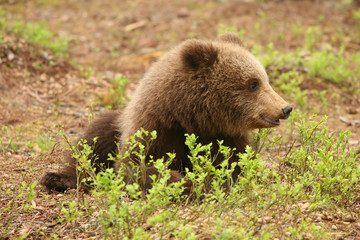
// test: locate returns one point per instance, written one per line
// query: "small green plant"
(86, 71)
(357, 20)
(70, 211)
(319, 170)
(312, 36)
(121, 218)
(43, 141)
(270, 57)
(357, 17)
(2, 19)
(323, 97)
(20, 201)
(297, 29)
(323, 164)
(39, 34)
(223, 28)
(35, 32)
(321, 18)
(10, 144)
(344, 4)
(305, 228)
(110, 189)
(206, 177)
(116, 96)
(332, 67)
(289, 83)
(38, 65)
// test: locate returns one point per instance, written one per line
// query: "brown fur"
(107, 133)
(214, 89)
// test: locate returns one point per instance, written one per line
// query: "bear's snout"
(286, 111)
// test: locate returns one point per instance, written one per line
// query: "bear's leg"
(60, 181)
(107, 132)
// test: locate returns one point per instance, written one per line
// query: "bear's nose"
(286, 111)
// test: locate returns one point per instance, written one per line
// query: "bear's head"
(240, 94)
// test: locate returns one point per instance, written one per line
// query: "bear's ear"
(197, 54)
(232, 38)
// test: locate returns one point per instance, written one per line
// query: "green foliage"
(357, 20)
(20, 200)
(289, 83)
(344, 4)
(297, 29)
(223, 28)
(312, 37)
(86, 71)
(324, 165)
(36, 33)
(122, 218)
(270, 191)
(329, 66)
(39, 34)
(357, 17)
(270, 57)
(70, 212)
(323, 171)
(7, 145)
(305, 228)
(42, 141)
(204, 172)
(2, 18)
(116, 97)
(323, 97)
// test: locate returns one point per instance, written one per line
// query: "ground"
(43, 93)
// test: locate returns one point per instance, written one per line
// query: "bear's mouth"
(270, 121)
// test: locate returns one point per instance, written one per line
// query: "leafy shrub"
(116, 97)
(322, 170)
(39, 34)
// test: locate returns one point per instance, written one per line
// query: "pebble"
(10, 56)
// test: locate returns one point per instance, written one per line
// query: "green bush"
(322, 171)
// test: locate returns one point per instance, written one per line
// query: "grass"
(335, 68)
(36, 33)
(308, 173)
(7, 143)
(289, 83)
(42, 142)
(223, 28)
(275, 197)
(115, 97)
(325, 64)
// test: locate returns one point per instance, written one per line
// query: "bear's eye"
(254, 85)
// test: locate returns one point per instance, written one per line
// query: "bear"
(215, 89)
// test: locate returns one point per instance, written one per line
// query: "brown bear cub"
(215, 89)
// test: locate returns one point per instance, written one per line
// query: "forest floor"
(46, 89)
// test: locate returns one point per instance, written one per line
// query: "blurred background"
(73, 55)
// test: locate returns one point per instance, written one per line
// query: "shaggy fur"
(107, 133)
(214, 89)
